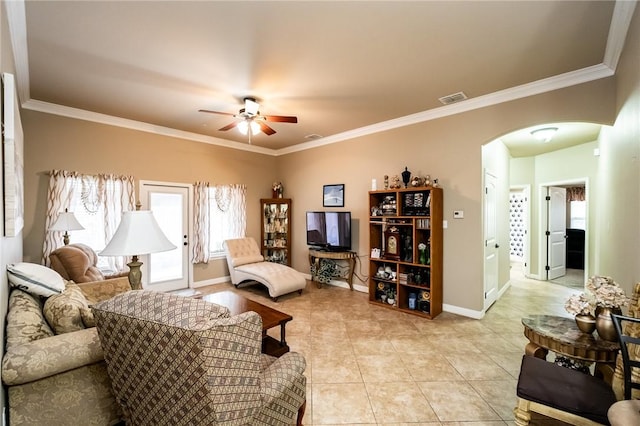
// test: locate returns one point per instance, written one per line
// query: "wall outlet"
(458, 214)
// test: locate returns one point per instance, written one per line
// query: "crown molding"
(17, 22)
(620, 21)
(110, 120)
(561, 81)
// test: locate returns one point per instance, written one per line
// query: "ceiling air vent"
(453, 98)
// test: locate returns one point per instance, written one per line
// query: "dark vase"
(406, 177)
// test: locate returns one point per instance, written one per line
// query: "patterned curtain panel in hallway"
(97, 201)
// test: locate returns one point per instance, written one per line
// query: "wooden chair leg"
(522, 413)
(301, 413)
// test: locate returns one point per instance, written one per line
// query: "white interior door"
(490, 241)
(170, 270)
(556, 232)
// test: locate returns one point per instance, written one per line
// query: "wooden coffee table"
(238, 304)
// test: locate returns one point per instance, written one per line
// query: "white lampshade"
(66, 221)
(137, 234)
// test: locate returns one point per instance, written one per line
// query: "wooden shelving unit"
(275, 226)
(400, 221)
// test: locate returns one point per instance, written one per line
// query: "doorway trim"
(543, 222)
(144, 186)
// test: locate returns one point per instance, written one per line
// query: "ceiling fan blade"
(281, 118)
(265, 129)
(228, 126)
(216, 112)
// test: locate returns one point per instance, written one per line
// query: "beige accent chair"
(175, 360)
(247, 264)
(77, 263)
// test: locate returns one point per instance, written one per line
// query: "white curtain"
(231, 200)
(59, 195)
(201, 223)
(112, 194)
(118, 196)
(220, 214)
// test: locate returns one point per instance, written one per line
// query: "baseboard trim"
(204, 283)
(469, 313)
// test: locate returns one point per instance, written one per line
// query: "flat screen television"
(329, 230)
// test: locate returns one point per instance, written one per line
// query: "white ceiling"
(342, 67)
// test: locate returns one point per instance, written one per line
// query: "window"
(577, 214)
(227, 215)
(93, 223)
(97, 201)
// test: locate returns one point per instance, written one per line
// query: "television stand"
(350, 256)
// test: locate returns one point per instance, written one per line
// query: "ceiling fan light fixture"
(245, 125)
(544, 134)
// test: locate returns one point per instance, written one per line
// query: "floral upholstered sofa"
(53, 367)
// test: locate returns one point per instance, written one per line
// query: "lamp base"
(135, 274)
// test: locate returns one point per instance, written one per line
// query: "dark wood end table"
(238, 304)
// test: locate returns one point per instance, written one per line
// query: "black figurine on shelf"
(406, 177)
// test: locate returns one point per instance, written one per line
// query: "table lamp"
(66, 222)
(137, 234)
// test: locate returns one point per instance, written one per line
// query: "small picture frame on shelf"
(333, 195)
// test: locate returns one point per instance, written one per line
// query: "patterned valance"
(575, 193)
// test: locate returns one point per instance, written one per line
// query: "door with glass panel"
(169, 203)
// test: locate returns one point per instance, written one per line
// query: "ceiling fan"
(252, 121)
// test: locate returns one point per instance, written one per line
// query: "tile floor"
(574, 278)
(367, 365)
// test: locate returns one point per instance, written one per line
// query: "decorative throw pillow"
(35, 279)
(87, 317)
(64, 311)
(25, 321)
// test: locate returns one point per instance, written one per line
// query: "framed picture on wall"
(13, 163)
(333, 195)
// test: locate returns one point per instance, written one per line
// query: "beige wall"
(619, 177)
(447, 148)
(54, 142)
